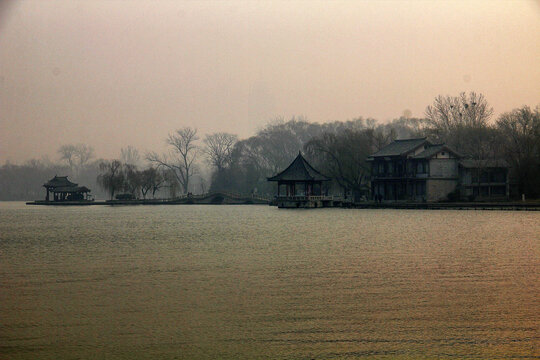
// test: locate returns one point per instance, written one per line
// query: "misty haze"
(269, 179)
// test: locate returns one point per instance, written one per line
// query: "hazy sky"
(118, 73)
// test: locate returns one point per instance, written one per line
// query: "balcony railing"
(411, 175)
(305, 197)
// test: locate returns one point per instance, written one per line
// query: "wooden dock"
(293, 202)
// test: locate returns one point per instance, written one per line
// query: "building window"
(399, 169)
(420, 188)
(484, 177)
(498, 176)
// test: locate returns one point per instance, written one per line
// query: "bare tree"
(448, 113)
(171, 182)
(202, 185)
(461, 122)
(381, 136)
(182, 156)
(130, 155)
(67, 154)
(76, 156)
(520, 133)
(219, 147)
(132, 180)
(342, 156)
(402, 128)
(151, 179)
(84, 153)
(111, 177)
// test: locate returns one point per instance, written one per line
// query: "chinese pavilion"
(299, 185)
(64, 190)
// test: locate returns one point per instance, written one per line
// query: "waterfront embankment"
(215, 198)
(219, 200)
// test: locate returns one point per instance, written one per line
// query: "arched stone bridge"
(221, 197)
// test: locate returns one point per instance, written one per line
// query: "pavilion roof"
(59, 181)
(71, 189)
(299, 170)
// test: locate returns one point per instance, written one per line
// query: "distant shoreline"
(516, 206)
(523, 206)
(140, 202)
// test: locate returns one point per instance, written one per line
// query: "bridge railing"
(230, 194)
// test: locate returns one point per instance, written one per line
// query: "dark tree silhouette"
(520, 141)
(151, 180)
(461, 122)
(219, 147)
(182, 156)
(111, 177)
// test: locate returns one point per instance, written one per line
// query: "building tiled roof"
(400, 147)
(299, 170)
(485, 163)
(59, 181)
(71, 189)
(433, 150)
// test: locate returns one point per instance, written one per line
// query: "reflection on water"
(204, 282)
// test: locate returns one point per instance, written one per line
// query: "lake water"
(257, 282)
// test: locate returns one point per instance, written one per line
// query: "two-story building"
(417, 170)
(414, 169)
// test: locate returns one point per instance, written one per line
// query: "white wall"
(447, 168)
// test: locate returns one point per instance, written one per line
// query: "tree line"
(223, 162)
